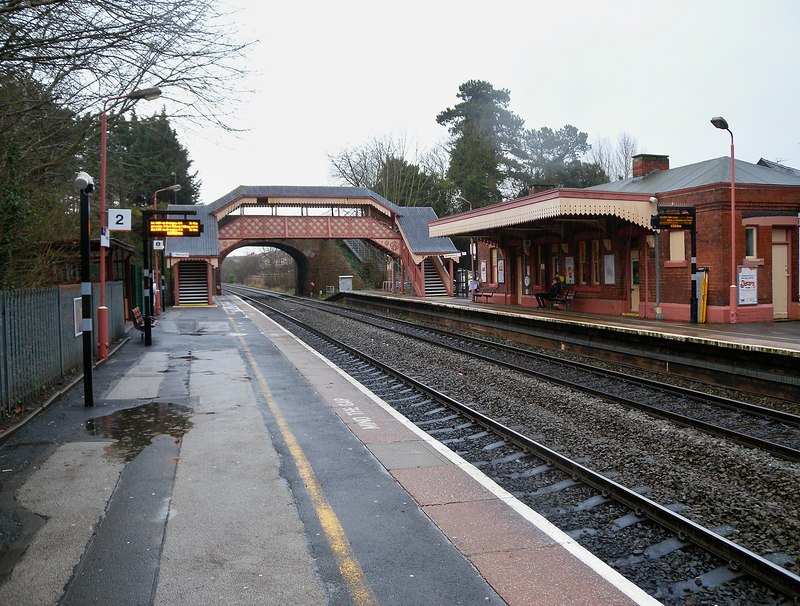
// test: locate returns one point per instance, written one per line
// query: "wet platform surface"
(229, 464)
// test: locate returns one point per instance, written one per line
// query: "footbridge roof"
(412, 221)
(305, 195)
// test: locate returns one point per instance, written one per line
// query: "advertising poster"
(609, 272)
(747, 285)
(569, 267)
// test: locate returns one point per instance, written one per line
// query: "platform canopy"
(552, 204)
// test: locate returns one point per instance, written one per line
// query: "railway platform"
(229, 464)
(779, 335)
(761, 358)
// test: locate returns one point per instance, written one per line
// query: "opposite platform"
(779, 335)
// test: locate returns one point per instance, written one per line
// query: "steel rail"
(736, 556)
(779, 450)
(772, 414)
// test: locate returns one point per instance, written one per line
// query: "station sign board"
(673, 217)
(175, 228)
(119, 219)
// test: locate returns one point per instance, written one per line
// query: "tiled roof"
(414, 225)
(708, 172)
(206, 245)
(781, 167)
(301, 191)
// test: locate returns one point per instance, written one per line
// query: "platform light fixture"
(722, 124)
(85, 185)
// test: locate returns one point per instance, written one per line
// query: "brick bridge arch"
(300, 258)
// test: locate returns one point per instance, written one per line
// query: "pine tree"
(485, 148)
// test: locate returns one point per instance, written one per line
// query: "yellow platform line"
(348, 565)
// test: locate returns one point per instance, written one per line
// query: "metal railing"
(40, 340)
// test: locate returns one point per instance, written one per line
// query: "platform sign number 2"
(119, 219)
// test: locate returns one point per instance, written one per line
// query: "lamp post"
(85, 185)
(102, 311)
(471, 252)
(722, 123)
(175, 188)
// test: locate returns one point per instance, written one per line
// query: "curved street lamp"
(722, 124)
(148, 94)
(175, 188)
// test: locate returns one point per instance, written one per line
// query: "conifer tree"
(485, 150)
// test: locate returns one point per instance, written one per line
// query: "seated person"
(474, 285)
(554, 291)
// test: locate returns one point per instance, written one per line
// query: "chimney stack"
(644, 164)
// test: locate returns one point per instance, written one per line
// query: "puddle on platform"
(134, 428)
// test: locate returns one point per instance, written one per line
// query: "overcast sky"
(330, 75)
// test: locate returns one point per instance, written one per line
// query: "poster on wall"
(501, 271)
(569, 267)
(483, 270)
(747, 285)
(609, 272)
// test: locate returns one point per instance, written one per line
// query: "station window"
(750, 242)
(677, 245)
(540, 264)
(595, 261)
(583, 263)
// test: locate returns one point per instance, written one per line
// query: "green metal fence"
(40, 339)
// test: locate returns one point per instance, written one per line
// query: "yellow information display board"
(673, 217)
(176, 228)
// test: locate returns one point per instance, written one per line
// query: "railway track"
(769, 372)
(644, 535)
(774, 431)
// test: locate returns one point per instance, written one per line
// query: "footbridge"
(292, 219)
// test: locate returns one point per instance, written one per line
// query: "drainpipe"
(659, 313)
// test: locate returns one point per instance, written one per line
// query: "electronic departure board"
(673, 218)
(175, 228)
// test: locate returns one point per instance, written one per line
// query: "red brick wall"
(714, 237)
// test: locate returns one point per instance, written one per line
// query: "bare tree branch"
(95, 49)
(615, 159)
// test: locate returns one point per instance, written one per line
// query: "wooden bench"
(138, 321)
(486, 293)
(564, 298)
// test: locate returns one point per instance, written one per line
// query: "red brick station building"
(603, 242)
